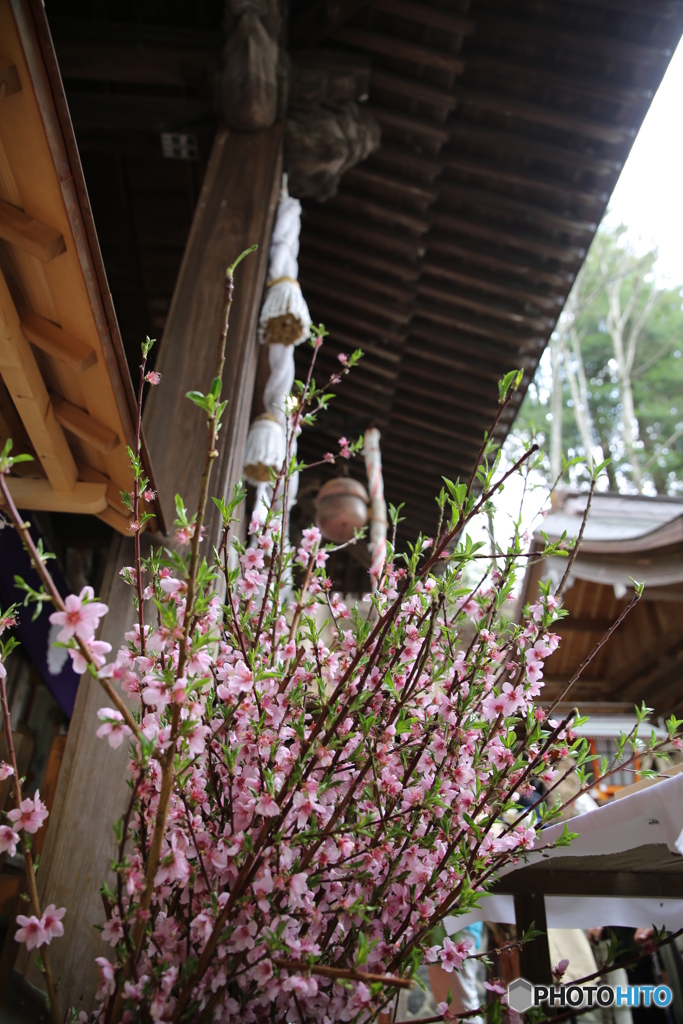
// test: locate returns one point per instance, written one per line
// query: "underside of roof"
(448, 255)
(65, 392)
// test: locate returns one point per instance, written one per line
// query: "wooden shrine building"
(627, 537)
(454, 158)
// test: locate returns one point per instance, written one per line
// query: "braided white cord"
(378, 506)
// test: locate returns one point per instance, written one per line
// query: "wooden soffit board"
(65, 392)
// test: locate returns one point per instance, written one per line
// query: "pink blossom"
(5, 771)
(107, 985)
(560, 969)
(496, 987)
(310, 538)
(29, 815)
(453, 954)
(31, 931)
(51, 922)
(153, 377)
(113, 930)
(81, 616)
(97, 648)
(8, 840)
(268, 806)
(252, 559)
(113, 726)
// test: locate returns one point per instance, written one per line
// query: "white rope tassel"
(280, 381)
(266, 449)
(378, 506)
(284, 318)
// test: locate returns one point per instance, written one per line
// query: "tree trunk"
(556, 409)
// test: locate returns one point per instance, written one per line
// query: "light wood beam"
(28, 392)
(31, 235)
(38, 495)
(9, 78)
(85, 426)
(57, 343)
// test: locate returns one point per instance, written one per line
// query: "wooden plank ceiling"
(64, 396)
(448, 255)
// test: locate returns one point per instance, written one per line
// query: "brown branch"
(343, 972)
(26, 850)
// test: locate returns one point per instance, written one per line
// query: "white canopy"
(651, 816)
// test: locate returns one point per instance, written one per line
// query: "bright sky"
(649, 194)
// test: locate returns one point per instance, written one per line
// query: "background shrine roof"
(617, 522)
(627, 538)
(448, 255)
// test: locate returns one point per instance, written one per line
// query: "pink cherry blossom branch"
(166, 761)
(22, 529)
(136, 507)
(26, 850)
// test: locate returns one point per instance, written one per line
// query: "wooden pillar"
(236, 209)
(534, 956)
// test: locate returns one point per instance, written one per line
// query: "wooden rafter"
(30, 396)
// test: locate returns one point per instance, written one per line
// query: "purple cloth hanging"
(52, 663)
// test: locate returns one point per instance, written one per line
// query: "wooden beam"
(333, 315)
(545, 77)
(57, 343)
(559, 882)
(364, 282)
(335, 223)
(235, 209)
(526, 211)
(556, 117)
(27, 389)
(409, 125)
(358, 255)
(534, 957)
(351, 299)
(451, 317)
(389, 215)
(522, 240)
(532, 148)
(478, 348)
(38, 495)
(386, 185)
(454, 24)
(414, 53)
(406, 161)
(30, 235)
(532, 30)
(501, 171)
(519, 290)
(413, 89)
(526, 268)
(9, 78)
(469, 367)
(85, 426)
(513, 314)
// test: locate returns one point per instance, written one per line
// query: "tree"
(611, 386)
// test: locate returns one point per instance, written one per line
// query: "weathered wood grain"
(235, 210)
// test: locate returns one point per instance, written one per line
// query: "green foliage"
(656, 373)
